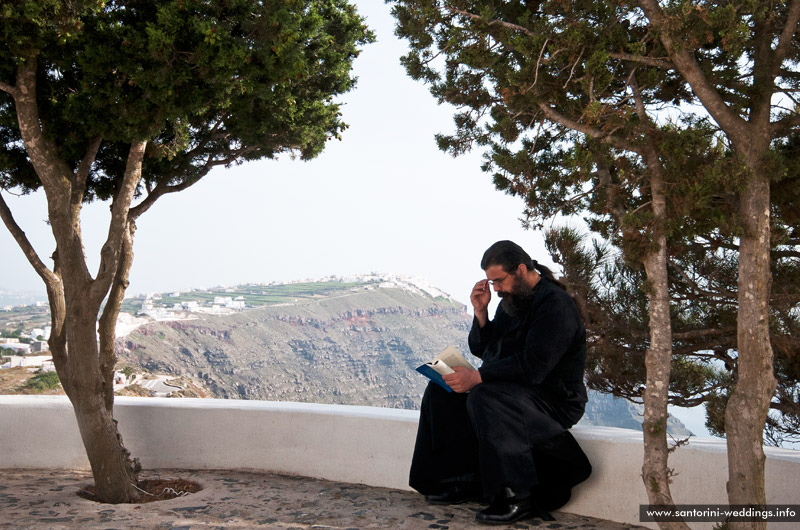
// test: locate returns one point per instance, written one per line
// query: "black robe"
(511, 430)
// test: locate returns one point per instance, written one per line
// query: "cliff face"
(608, 411)
(359, 347)
(354, 347)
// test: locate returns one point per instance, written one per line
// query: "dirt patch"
(13, 380)
(153, 490)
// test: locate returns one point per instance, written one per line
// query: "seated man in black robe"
(502, 435)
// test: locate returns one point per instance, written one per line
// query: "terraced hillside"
(358, 346)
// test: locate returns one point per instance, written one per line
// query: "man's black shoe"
(505, 511)
(456, 495)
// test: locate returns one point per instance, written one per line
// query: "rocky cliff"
(357, 346)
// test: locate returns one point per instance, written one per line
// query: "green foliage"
(614, 310)
(545, 90)
(9, 351)
(43, 381)
(207, 83)
(561, 92)
(703, 286)
(715, 412)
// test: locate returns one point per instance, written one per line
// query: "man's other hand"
(463, 379)
(480, 297)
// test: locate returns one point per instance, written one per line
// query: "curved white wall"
(351, 444)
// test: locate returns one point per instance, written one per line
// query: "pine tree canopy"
(206, 83)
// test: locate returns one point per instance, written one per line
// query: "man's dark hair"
(509, 256)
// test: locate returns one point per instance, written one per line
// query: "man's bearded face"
(519, 287)
(517, 297)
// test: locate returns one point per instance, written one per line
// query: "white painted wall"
(351, 444)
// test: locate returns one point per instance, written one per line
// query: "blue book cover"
(448, 358)
(433, 375)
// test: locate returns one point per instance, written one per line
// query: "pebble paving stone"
(233, 499)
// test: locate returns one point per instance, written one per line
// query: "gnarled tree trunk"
(87, 373)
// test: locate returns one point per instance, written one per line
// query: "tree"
(569, 99)
(737, 58)
(561, 122)
(128, 101)
(703, 265)
(703, 298)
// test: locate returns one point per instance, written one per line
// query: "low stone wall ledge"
(355, 444)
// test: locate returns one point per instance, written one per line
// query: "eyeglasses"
(497, 282)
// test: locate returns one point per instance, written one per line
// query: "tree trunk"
(115, 473)
(655, 469)
(75, 297)
(750, 134)
(108, 320)
(748, 405)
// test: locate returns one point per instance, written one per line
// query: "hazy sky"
(384, 199)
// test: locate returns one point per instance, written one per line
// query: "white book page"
(441, 367)
(452, 357)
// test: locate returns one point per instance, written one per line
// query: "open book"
(442, 365)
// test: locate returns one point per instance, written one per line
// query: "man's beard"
(518, 298)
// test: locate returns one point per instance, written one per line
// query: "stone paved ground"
(232, 499)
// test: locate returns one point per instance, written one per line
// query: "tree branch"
(649, 61)
(162, 189)
(507, 25)
(437, 54)
(54, 286)
(538, 63)
(692, 349)
(734, 126)
(784, 125)
(698, 333)
(108, 320)
(680, 401)
(714, 243)
(51, 170)
(82, 174)
(8, 88)
(110, 253)
(569, 123)
(611, 190)
(697, 289)
(638, 102)
(58, 334)
(572, 70)
(785, 407)
(785, 254)
(785, 40)
(22, 240)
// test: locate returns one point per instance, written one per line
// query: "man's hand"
(480, 297)
(463, 379)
